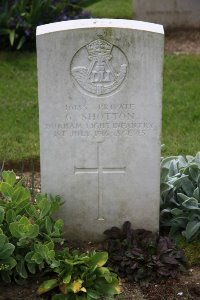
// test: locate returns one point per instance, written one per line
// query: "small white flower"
(180, 294)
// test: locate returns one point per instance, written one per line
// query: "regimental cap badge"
(102, 71)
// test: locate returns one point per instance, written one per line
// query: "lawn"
(19, 108)
(116, 9)
(181, 109)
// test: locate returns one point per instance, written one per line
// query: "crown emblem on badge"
(99, 48)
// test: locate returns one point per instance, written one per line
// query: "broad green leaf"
(197, 158)
(11, 262)
(6, 189)
(44, 206)
(187, 186)
(167, 161)
(182, 163)
(7, 251)
(58, 227)
(21, 42)
(32, 212)
(177, 182)
(176, 212)
(179, 221)
(102, 271)
(47, 286)
(50, 245)
(12, 37)
(165, 187)
(99, 259)
(9, 177)
(48, 225)
(108, 289)
(182, 197)
(20, 267)
(67, 278)
(21, 205)
(191, 229)
(196, 194)
(23, 228)
(190, 158)
(3, 239)
(31, 267)
(28, 257)
(191, 203)
(173, 169)
(21, 194)
(93, 294)
(10, 216)
(37, 258)
(164, 173)
(2, 214)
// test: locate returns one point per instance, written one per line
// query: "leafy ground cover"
(186, 286)
(31, 242)
(18, 19)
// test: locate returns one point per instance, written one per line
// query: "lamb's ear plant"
(180, 196)
(81, 276)
(28, 233)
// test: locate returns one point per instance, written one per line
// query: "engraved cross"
(100, 170)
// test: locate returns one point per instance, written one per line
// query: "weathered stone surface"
(170, 13)
(100, 90)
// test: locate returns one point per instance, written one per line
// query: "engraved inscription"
(100, 170)
(100, 120)
(99, 68)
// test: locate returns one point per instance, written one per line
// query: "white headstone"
(170, 13)
(100, 91)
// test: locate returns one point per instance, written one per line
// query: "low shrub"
(81, 276)
(19, 19)
(180, 196)
(28, 234)
(139, 256)
(28, 239)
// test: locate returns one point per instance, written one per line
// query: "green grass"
(116, 9)
(192, 250)
(19, 107)
(181, 104)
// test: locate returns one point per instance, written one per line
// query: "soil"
(182, 41)
(185, 286)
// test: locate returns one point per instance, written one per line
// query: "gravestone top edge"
(99, 23)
